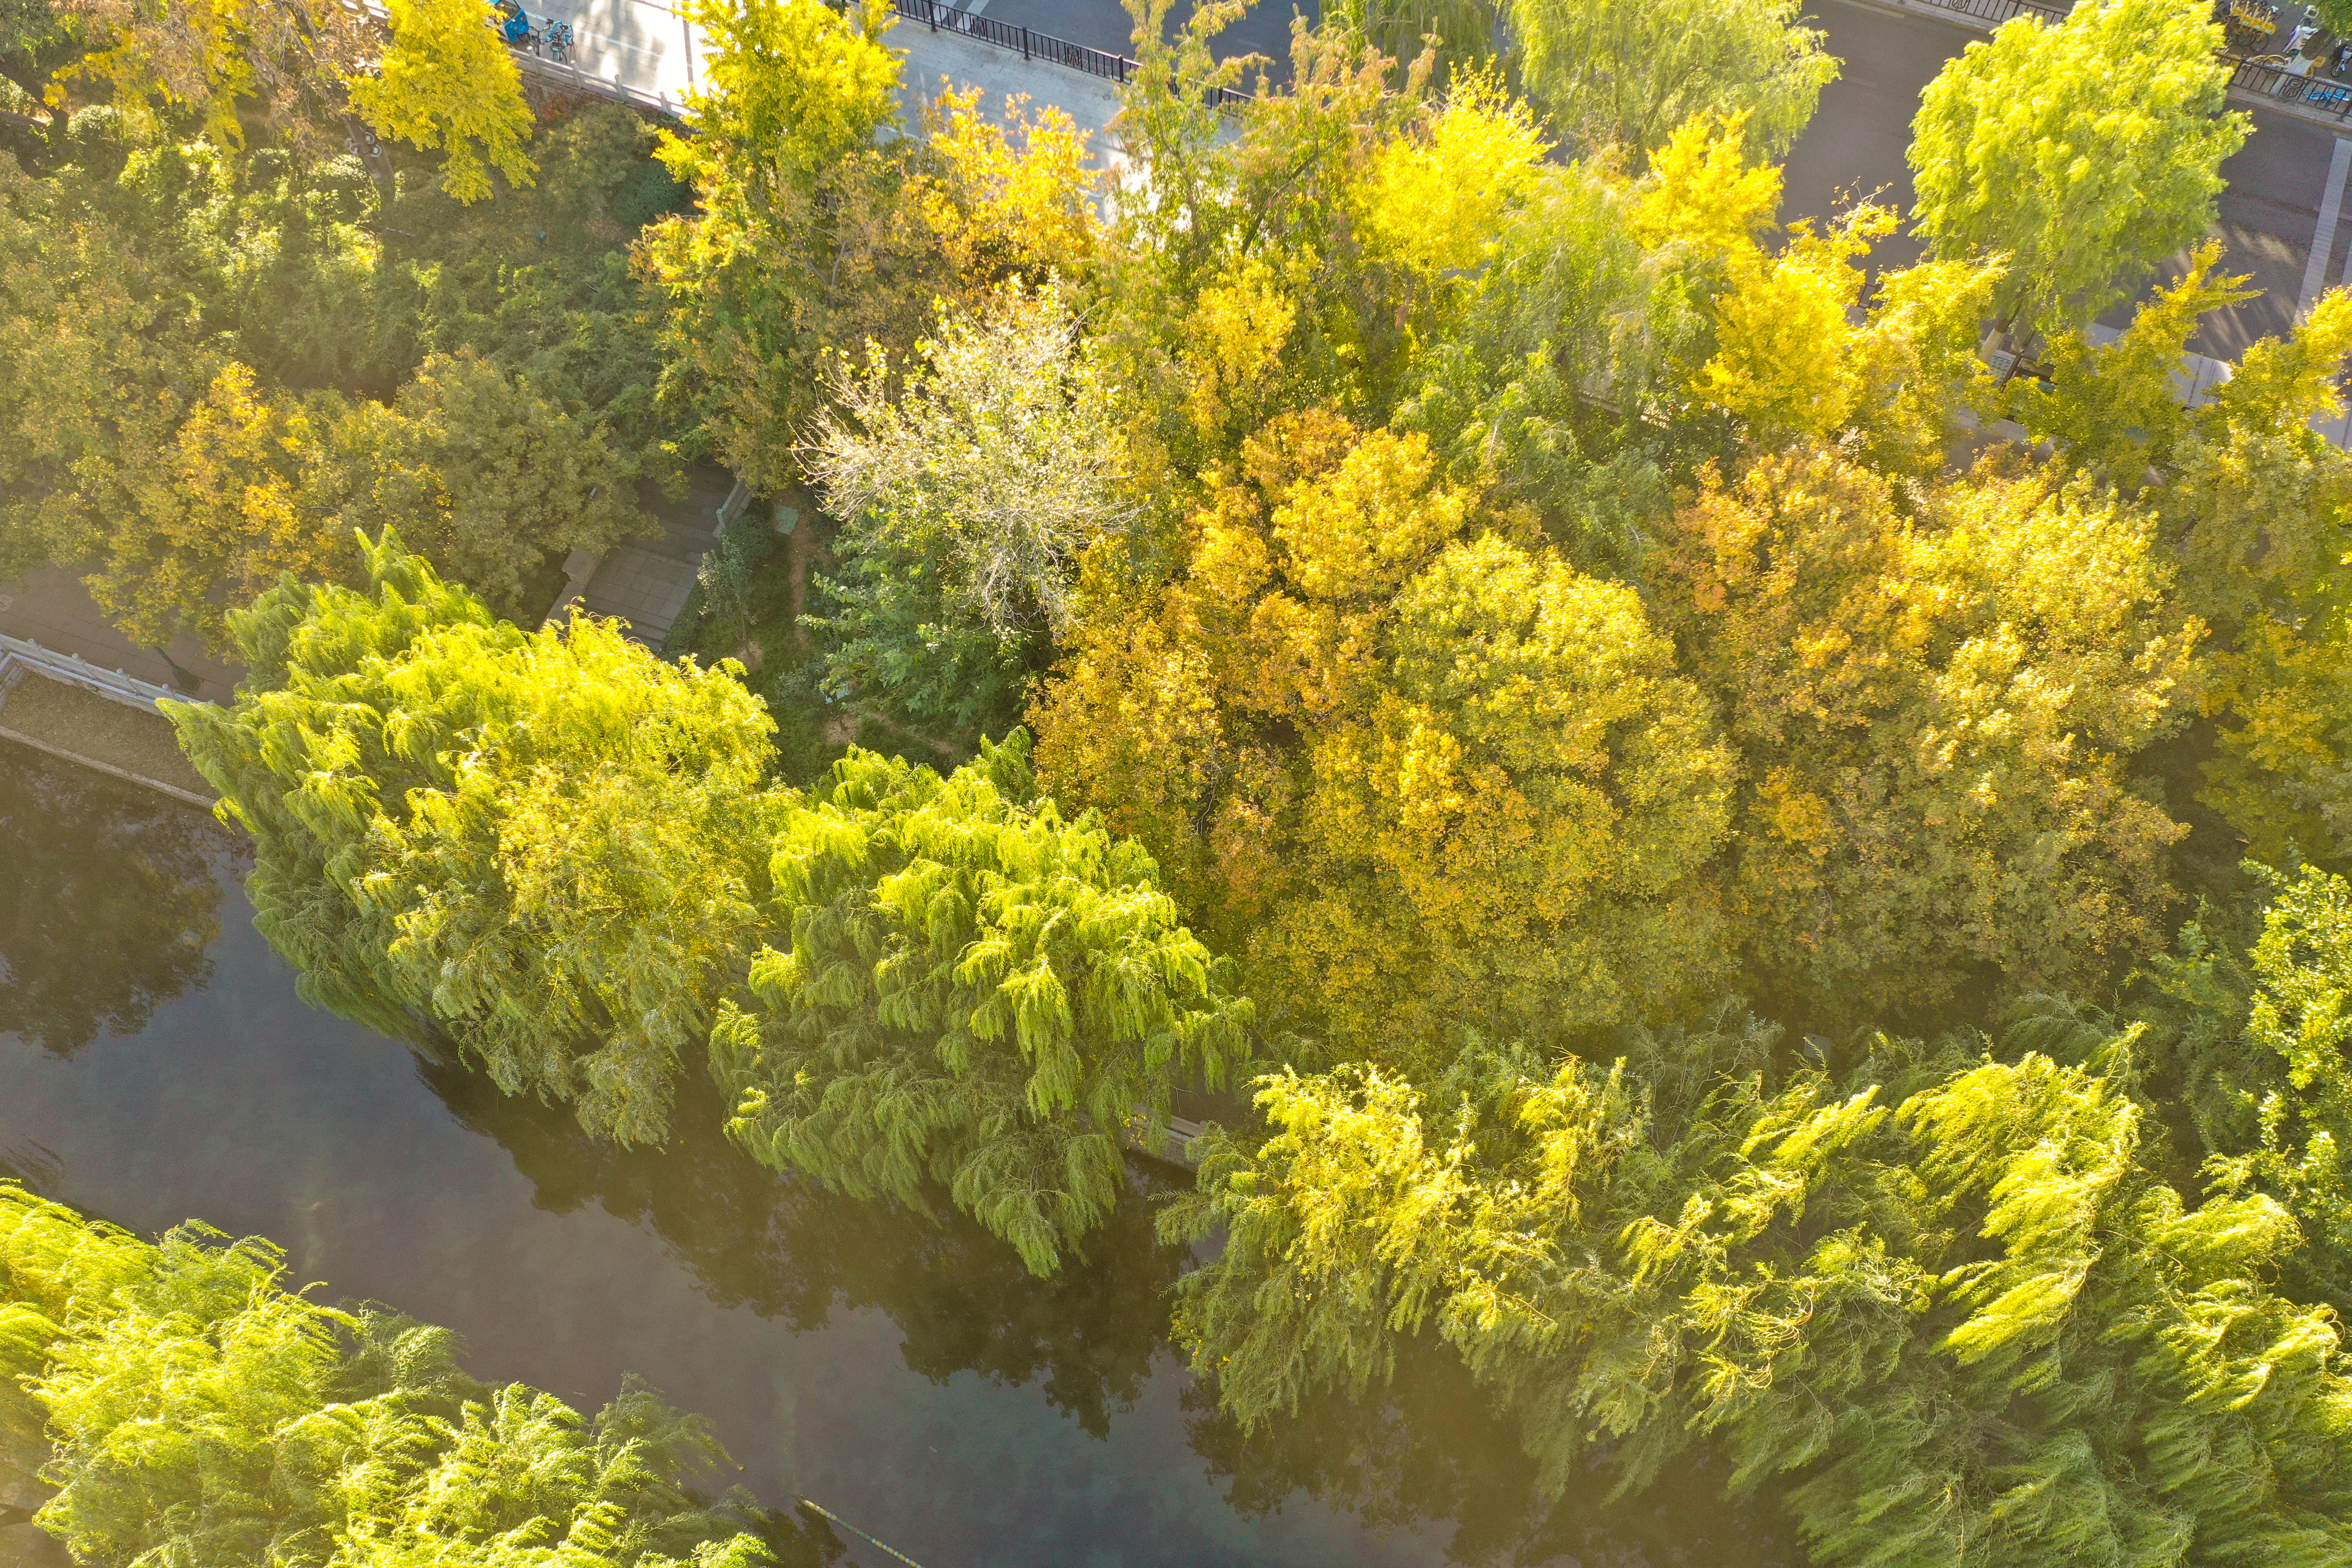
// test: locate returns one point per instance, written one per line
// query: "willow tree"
(1621, 73)
(560, 853)
(2292, 1073)
(978, 995)
(2086, 151)
(196, 1410)
(1941, 1304)
(539, 843)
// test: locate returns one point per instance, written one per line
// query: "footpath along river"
(157, 1064)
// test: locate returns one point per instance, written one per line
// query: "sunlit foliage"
(2084, 151)
(540, 843)
(1624, 74)
(1939, 1303)
(1933, 704)
(977, 995)
(197, 1410)
(1409, 768)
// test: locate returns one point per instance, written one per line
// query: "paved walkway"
(646, 51)
(645, 583)
(51, 608)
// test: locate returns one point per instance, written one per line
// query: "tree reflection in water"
(1433, 1447)
(85, 854)
(787, 1250)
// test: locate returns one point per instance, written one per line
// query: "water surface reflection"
(908, 1374)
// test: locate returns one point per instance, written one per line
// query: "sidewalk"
(51, 608)
(645, 52)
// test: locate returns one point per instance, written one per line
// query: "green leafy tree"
(805, 241)
(2085, 151)
(1617, 73)
(494, 484)
(540, 844)
(2298, 1082)
(557, 852)
(966, 500)
(978, 995)
(196, 1410)
(1466, 31)
(565, 313)
(1941, 1303)
(99, 359)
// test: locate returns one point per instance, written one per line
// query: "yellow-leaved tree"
(1788, 360)
(447, 80)
(2258, 504)
(1416, 771)
(436, 74)
(1933, 704)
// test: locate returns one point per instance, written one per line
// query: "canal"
(156, 1063)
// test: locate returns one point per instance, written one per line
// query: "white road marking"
(2323, 237)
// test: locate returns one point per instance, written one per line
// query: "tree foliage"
(196, 1409)
(213, 60)
(978, 996)
(1941, 1303)
(560, 853)
(1933, 705)
(1410, 768)
(2294, 1072)
(1614, 74)
(2085, 151)
(447, 80)
(539, 844)
(240, 361)
(436, 74)
(969, 485)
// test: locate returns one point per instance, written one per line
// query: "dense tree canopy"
(2086, 151)
(1943, 1298)
(1926, 703)
(1615, 73)
(1482, 589)
(197, 1409)
(227, 360)
(562, 854)
(1411, 769)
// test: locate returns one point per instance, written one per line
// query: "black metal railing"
(2312, 94)
(1032, 46)
(1996, 12)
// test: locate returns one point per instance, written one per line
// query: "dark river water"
(156, 1064)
